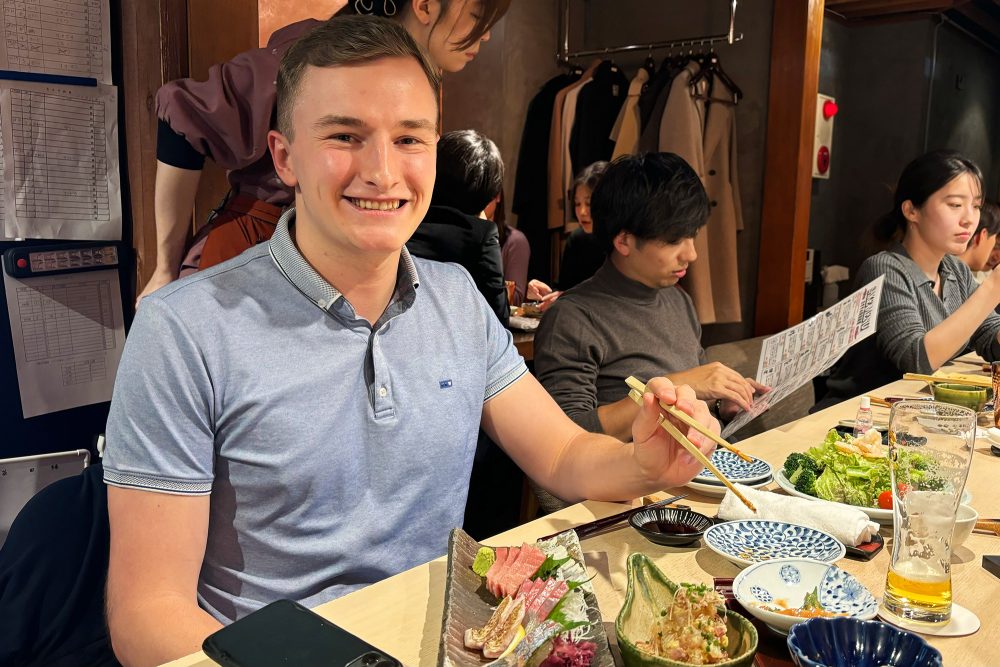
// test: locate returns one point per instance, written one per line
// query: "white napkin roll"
(850, 526)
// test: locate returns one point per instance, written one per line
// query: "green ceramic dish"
(648, 592)
(959, 394)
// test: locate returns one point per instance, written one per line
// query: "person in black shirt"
(583, 253)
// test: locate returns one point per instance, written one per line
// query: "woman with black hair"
(227, 117)
(931, 310)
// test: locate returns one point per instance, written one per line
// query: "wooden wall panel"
(154, 49)
(795, 51)
(274, 14)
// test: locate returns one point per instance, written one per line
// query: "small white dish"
(784, 583)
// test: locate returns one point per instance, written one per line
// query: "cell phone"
(286, 633)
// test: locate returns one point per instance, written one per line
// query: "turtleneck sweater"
(608, 328)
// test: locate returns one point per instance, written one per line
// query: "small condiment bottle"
(863, 420)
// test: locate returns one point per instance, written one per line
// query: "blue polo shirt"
(336, 453)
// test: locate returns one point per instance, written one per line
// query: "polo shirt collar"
(300, 273)
(919, 277)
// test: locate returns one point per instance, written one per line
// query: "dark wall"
(965, 103)
(891, 111)
(618, 22)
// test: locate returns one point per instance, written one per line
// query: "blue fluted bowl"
(848, 642)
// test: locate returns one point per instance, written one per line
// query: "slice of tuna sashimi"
(498, 565)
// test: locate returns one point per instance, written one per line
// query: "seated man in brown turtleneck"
(630, 318)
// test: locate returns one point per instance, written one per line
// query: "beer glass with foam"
(930, 450)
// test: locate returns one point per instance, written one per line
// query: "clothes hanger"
(649, 64)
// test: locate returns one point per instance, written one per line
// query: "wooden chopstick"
(585, 529)
(989, 525)
(985, 382)
(694, 451)
(638, 385)
(875, 400)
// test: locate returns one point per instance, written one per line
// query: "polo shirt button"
(383, 392)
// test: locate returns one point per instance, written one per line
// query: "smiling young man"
(631, 318)
(267, 409)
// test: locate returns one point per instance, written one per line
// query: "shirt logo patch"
(445, 384)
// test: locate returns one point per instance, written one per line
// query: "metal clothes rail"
(564, 55)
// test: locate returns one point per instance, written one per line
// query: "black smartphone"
(286, 633)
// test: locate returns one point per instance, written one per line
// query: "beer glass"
(930, 450)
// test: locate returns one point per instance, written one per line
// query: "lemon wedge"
(518, 636)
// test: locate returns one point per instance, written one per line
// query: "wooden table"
(402, 614)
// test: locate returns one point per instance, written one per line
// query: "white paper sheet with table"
(67, 37)
(796, 355)
(68, 335)
(60, 166)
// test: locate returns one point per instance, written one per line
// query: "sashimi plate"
(467, 604)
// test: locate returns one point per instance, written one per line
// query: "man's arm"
(574, 464)
(173, 202)
(157, 547)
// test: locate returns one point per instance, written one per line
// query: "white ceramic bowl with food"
(774, 591)
(965, 521)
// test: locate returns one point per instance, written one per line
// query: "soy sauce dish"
(670, 526)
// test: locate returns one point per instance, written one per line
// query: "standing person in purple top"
(226, 118)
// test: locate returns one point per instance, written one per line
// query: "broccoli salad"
(855, 471)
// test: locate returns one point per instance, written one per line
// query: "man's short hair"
(651, 196)
(340, 41)
(469, 171)
(989, 218)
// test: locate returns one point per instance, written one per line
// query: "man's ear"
(980, 237)
(622, 244)
(281, 154)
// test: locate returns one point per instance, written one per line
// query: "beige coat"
(626, 130)
(709, 146)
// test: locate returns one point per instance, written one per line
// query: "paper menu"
(61, 177)
(796, 355)
(62, 37)
(68, 333)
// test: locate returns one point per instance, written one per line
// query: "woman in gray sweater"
(931, 310)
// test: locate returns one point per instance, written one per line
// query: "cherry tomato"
(885, 500)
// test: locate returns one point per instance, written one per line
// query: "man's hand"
(718, 381)
(159, 278)
(656, 452)
(729, 409)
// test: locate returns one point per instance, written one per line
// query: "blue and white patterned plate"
(757, 540)
(784, 583)
(735, 469)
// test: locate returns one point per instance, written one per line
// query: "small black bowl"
(670, 526)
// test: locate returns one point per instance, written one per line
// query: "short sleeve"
(160, 428)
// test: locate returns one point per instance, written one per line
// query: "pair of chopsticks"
(636, 390)
(989, 526)
(591, 527)
(972, 382)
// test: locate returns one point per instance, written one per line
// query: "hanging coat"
(625, 133)
(556, 193)
(682, 131)
(530, 201)
(725, 214)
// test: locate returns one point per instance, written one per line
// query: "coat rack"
(564, 55)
